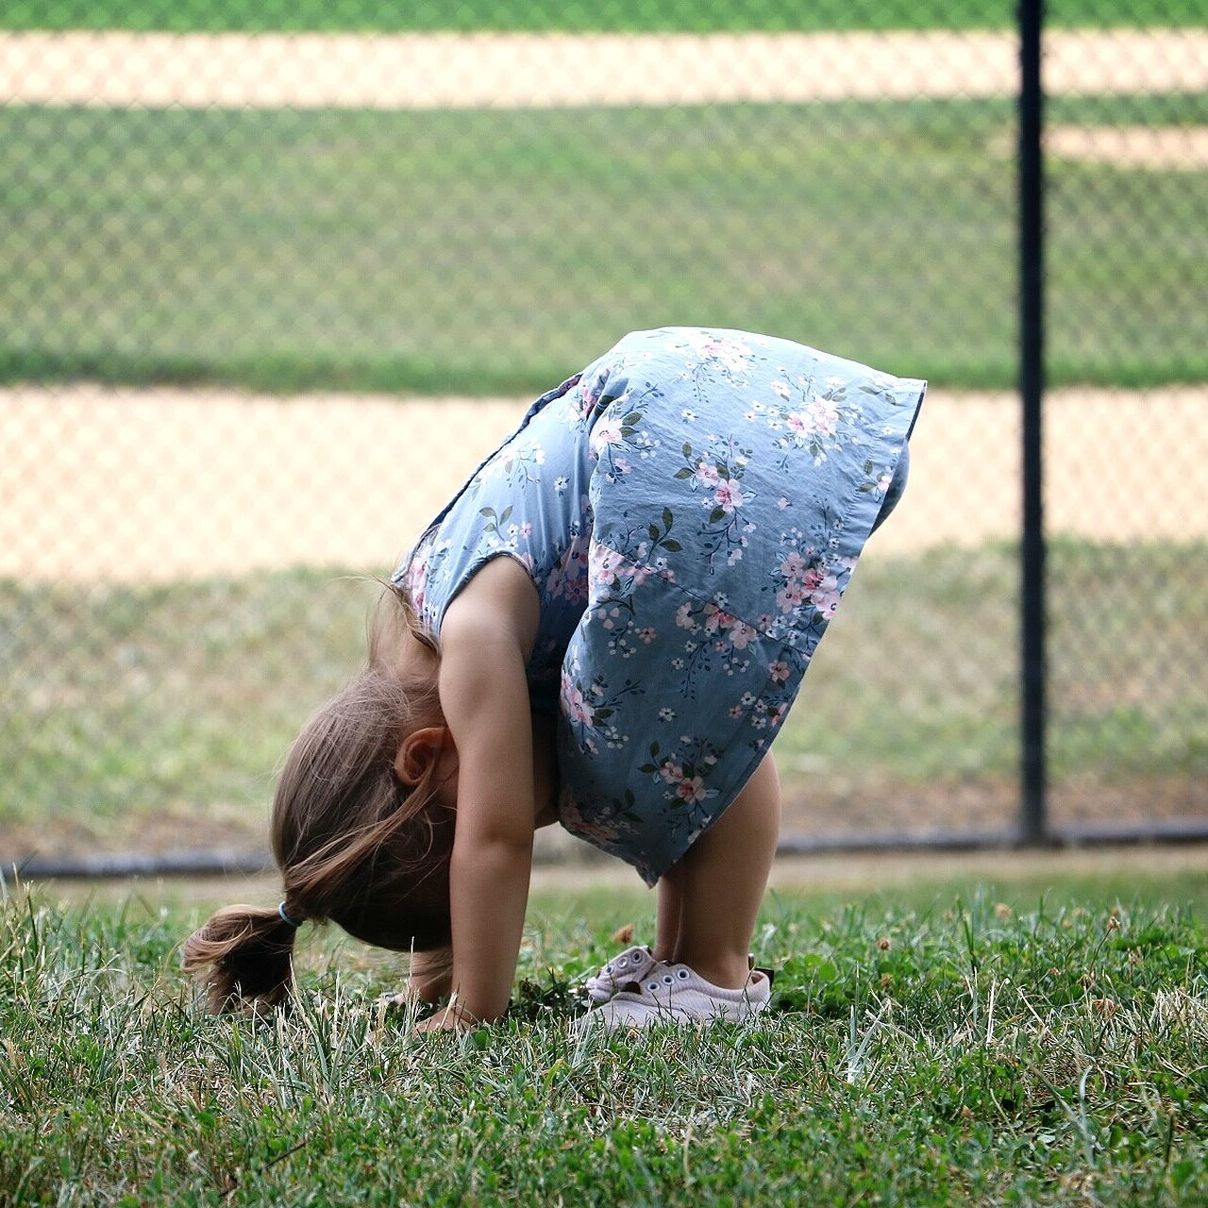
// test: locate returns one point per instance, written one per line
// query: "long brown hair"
(353, 843)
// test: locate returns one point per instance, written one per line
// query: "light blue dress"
(690, 508)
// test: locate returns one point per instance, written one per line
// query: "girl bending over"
(605, 628)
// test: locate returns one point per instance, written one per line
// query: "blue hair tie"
(286, 919)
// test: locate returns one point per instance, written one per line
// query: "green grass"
(944, 1046)
(635, 15)
(484, 251)
(140, 716)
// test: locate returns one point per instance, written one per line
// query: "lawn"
(151, 716)
(629, 15)
(485, 251)
(992, 1044)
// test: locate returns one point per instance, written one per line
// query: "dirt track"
(156, 484)
(446, 70)
(1182, 148)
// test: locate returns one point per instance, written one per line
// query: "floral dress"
(690, 508)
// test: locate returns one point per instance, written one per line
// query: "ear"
(419, 751)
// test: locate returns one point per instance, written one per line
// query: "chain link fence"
(274, 277)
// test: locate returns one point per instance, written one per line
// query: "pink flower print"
(589, 393)
(576, 707)
(605, 434)
(794, 567)
(707, 474)
(728, 495)
(733, 354)
(825, 415)
(417, 582)
(742, 635)
(782, 503)
(826, 604)
(778, 669)
(606, 565)
(790, 596)
(683, 616)
(811, 579)
(671, 771)
(826, 597)
(568, 580)
(691, 789)
(800, 423)
(572, 818)
(574, 589)
(716, 619)
(736, 711)
(647, 634)
(621, 466)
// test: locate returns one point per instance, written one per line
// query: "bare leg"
(708, 902)
(670, 914)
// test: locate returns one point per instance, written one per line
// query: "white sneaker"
(678, 994)
(632, 965)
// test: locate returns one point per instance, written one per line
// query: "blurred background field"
(302, 270)
(173, 703)
(301, 250)
(635, 15)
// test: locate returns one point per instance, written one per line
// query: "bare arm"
(430, 978)
(486, 638)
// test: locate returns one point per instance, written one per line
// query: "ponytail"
(244, 956)
(354, 844)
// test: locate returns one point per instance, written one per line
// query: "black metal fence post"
(1032, 820)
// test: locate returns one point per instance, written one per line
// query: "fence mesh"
(273, 278)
